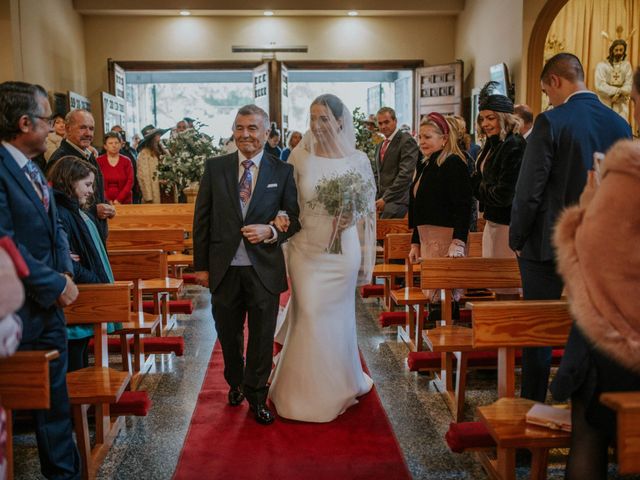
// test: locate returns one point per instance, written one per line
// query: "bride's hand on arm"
(414, 253)
(281, 222)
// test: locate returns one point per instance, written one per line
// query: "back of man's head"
(524, 112)
(17, 99)
(564, 65)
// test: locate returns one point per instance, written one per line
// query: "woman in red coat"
(116, 170)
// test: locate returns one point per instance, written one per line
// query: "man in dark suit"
(396, 159)
(79, 128)
(238, 255)
(28, 215)
(554, 170)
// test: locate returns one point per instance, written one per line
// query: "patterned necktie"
(36, 178)
(383, 149)
(245, 182)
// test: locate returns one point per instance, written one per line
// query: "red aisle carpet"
(225, 442)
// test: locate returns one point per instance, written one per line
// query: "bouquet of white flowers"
(346, 197)
(183, 164)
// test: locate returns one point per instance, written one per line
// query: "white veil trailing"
(344, 196)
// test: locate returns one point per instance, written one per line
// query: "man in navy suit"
(554, 170)
(238, 255)
(28, 215)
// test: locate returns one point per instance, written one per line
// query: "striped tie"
(245, 182)
(36, 178)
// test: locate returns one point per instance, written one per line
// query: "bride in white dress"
(318, 374)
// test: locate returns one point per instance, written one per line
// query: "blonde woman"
(440, 195)
(497, 169)
(149, 152)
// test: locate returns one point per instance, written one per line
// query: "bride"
(318, 374)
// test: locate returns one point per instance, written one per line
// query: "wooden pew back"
(386, 226)
(146, 238)
(24, 380)
(627, 405)
(474, 242)
(448, 273)
(396, 246)
(132, 265)
(164, 215)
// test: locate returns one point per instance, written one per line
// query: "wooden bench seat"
(24, 385)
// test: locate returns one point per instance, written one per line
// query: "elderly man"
(525, 114)
(28, 215)
(553, 174)
(395, 162)
(80, 128)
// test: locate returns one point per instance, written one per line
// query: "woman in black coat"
(497, 169)
(73, 182)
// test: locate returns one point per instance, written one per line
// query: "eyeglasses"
(49, 119)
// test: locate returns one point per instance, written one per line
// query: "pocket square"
(272, 185)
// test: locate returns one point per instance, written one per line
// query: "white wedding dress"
(318, 373)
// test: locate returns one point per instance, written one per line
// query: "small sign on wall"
(113, 111)
(78, 101)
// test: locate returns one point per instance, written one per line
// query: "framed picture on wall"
(473, 115)
(113, 111)
(78, 101)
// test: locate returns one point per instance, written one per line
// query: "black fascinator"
(488, 100)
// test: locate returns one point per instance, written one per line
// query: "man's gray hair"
(388, 110)
(254, 110)
(68, 119)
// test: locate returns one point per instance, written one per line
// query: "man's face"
(386, 124)
(552, 90)
(250, 134)
(618, 52)
(36, 136)
(80, 129)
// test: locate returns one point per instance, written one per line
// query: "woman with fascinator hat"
(149, 152)
(497, 169)
(318, 374)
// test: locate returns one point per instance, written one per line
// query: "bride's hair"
(334, 103)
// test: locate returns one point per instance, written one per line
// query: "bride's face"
(323, 124)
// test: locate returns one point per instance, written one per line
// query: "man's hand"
(257, 233)
(281, 222)
(590, 189)
(69, 294)
(379, 204)
(414, 253)
(202, 279)
(105, 210)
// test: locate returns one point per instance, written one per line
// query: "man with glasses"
(28, 215)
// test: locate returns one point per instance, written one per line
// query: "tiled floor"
(148, 448)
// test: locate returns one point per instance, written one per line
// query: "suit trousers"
(241, 294)
(59, 458)
(540, 281)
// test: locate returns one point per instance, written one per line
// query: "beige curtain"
(578, 25)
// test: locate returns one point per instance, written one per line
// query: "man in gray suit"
(396, 159)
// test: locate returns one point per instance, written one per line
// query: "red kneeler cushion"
(388, 319)
(468, 435)
(175, 306)
(189, 278)
(132, 403)
(151, 345)
(372, 290)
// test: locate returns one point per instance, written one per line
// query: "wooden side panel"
(133, 265)
(391, 225)
(475, 244)
(470, 273)
(526, 323)
(24, 380)
(99, 303)
(397, 246)
(146, 238)
(627, 404)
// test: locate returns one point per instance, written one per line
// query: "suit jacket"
(66, 149)
(218, 219)
(394, 174)
(42, 243)
(554, 169)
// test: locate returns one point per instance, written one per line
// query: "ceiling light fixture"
(185, 13)
(352, 13)
(268, 13)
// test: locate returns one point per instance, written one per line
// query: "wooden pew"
(396, 247)
(509, 326)
(24, 385)
(446, 274)
(148, 271)
(169, 240)
(100, 386)
(627, 406)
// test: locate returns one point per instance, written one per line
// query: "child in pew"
(72, 180)
(602, 282)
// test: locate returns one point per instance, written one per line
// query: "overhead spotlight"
(352, 13)
(185, 13)
(268, 13)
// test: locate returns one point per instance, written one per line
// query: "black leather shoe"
(263, 415)
(235, 396)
